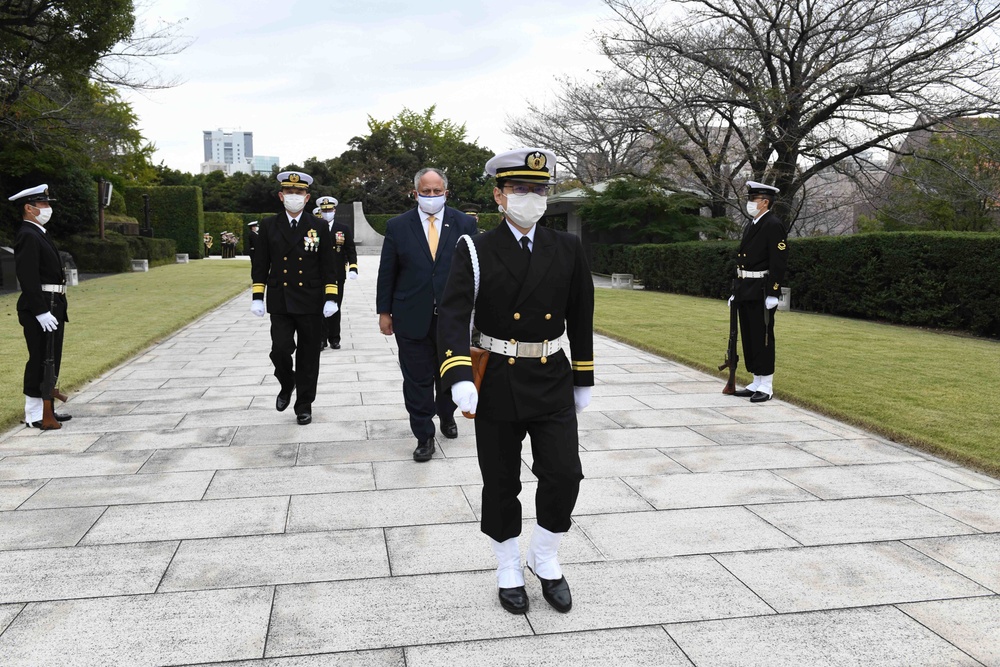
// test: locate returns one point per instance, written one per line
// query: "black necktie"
(293, 223)
(525, 250)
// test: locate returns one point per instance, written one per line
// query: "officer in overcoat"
(295, 265)
(347, 265)
(535, 286)
(41, 307)
(760, 269)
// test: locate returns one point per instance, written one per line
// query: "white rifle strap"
(475, 276)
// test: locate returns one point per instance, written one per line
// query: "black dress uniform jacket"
(534, 303)
(763, 248)
(347, 253)
(298, 265)
(37, 263)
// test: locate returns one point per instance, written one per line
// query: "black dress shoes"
(514, 600)
(323, 346)
(424, 450)
(62, 418)
(304, 418)
(334, 346)
(760, 397)
(556, 593)
(449, 429)
(284, 398)
(744, 393)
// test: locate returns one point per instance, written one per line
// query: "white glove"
(581, 396)
(48, 321)
(730, 302)
(771, 302)
(257, 307)
(330, 308)
(352, 275)
(465, 396)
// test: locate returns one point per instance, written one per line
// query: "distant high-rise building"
(230, 151)
(263, 164)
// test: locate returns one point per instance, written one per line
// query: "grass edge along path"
(113, 318)
(935, 391)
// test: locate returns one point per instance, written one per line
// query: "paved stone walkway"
(179, 519)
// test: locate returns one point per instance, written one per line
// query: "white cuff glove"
(48, 321)
(581, 396)
(352, 275)
(465, 396)
(771, 302)
(730, 302)
(330, 308)
(257, 307)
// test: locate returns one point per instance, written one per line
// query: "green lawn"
(113, 318)
(936, 391)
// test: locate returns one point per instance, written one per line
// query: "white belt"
(58, 289)
(513, 348)
(740, 273)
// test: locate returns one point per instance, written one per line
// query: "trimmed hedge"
(92, 255)
(157, 251)
(935, 279)
(175, 212)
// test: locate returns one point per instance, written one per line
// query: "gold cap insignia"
(535, 161)
(294, 178)
(781, 245)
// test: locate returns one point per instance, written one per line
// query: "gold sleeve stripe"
(455, 361)
(353, 266)
(258, 288)
(331, 289)
(583, 365)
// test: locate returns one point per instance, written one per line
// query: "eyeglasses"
(523, 189)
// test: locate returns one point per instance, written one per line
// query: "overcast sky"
(304, 76)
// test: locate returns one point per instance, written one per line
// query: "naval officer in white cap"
(534, 286)
(342, 237)
(41, 308)
(760, 269)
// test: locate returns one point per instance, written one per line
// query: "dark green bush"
(175, 212)
(92, 255)
(157, 251)
(935, 279)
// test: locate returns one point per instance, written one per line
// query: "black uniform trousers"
(331, 325)
(422, 392)
(37, 341)
(307, 330)
(758, 336)
(555, 453)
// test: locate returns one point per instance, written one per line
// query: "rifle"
(48, 385)
(732, 358)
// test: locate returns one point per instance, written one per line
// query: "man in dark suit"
(295, 262)
(760, 268)
(347, 265)
(251, 240)
(534, 286)
(416, 257)
(41, 308)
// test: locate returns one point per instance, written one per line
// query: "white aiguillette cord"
(475, 275)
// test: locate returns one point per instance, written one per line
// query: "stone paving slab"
(25, 442)
(436, 472)
(642, 438)
(175, 439)
(377, 658)
(83, 572)
(7, 614)
(291, 481)
(877, 636)
(370, 509)
(975, 556)
(291, 433)
(220, 458)
(716, 489)
(629, 647)
(323, 453)
(969, 478)
(979, 509)
(972, 625)
(721, 458)
(861, 520)
(387, 612)
(277, 559)
(858, 452)
(883, 479)
(851, 575)
(72, 465)
(14, 493)
(120, 490)
(38, 529)
(189, 520)
(140, 630)
(759, 433)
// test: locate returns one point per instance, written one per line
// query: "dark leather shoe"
(449, 429)
(334, 346)
(424, 450)
(284, 398)
(744, 393)
(38, 425)
(62, 418)
(303, 418)
(760, 397)
(556, 593)
(323, 346)
(514, 600)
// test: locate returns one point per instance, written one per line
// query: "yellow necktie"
(432, 236)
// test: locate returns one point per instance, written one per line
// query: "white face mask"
(752, 209)
(43, 215)
(328, 215)
(525, 210)
(431, 205)
(294, 203)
